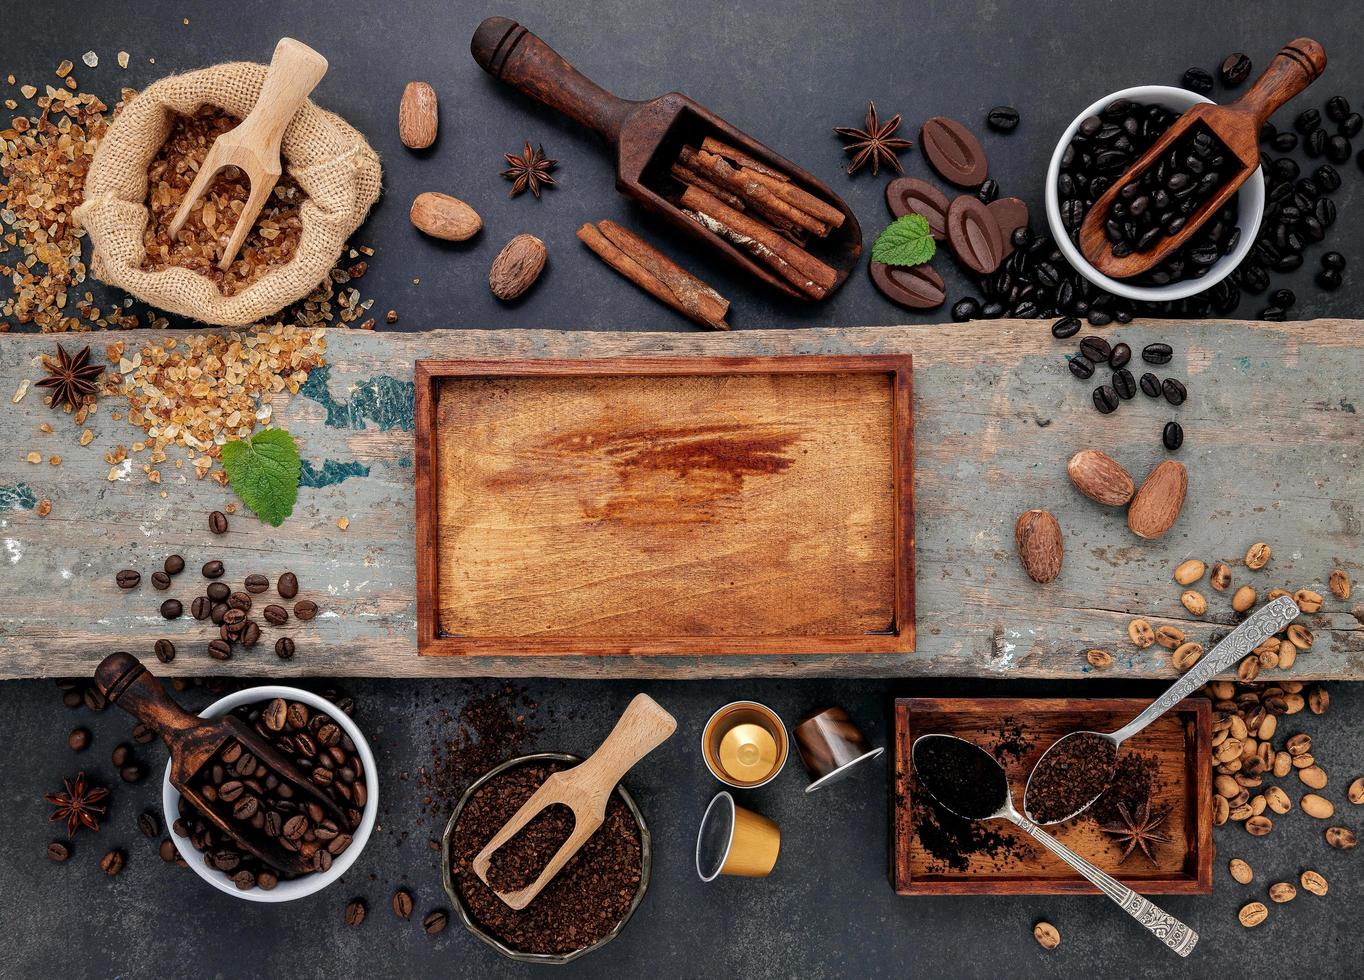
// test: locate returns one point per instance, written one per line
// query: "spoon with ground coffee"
(966, 780)
(1075, 771)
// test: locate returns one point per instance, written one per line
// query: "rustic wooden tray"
(1018, 731)
(682, 505)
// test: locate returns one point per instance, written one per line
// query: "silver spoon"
(980, 769)
(1267, 620)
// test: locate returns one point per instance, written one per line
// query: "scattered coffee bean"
(1337, 108)
(1351, 126)
(1099, 318)
(171, 609)
(160, 581)
(174, 565)
(149, 823)
(1307, 121)
(250, 633)
(1067, 326)
(58, 851)
(234, 617)
(1197, 80)
(1341, 838)
(1124, 384)
(987, 193)
(1235, 69)
(78, 740)
(217, 613)
(220, 649)
(435, 922)
(355, 912)
(1105, 399)
(1157, 353)
(1119, 357)
(1150, 385)
(1253, 914)
(1081, 366)
(305, 609)
(1047, 935)
(165, 649)
(121, 754)
(1283, 298)
(287, 585)
(402, 903)
(128, 579)
(275, 615)
(1329, 279)
(168, 851)
(213, 569)
(284, 648)
(965, 309)
(1096, 349)
(217, 522)
(239, 600)
(218, 591)
(112, 863)
(1172, 436)
(256, 584)
(201, 607)
(1002, 119)
(132, 773)
(1174, 391)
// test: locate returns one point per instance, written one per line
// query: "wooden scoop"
(647, 138)
(253, 146)
(1297, 65)
(584, 789)
(194, 741)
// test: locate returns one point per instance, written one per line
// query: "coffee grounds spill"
(584, 902)
(490, 730)
(1070, 775)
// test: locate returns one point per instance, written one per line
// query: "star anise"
(1138, 832)
(72, 379)
(530, 170)
(79, 806)
(875, 143)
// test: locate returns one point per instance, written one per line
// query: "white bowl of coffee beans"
(1143, 107)
(314, 734)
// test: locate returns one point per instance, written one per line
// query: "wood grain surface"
(1273, 446)
(1018, 731)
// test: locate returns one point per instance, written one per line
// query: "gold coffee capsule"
(735, 841)
(744, 744)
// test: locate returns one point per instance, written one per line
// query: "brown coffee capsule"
(974, 236)
(1010, 214)
(830, 745)
(954, 152)
(915, 287)
(910, 195)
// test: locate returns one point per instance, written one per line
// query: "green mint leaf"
(264, 471)
(906, 241)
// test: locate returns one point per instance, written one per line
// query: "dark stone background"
(786, 73)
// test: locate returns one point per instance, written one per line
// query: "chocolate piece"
(915, 287)
(955, 154)
(974, 236)
(910, 195)
(1010, 214)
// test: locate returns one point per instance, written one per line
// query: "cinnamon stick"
(686, 175)
(796, 197)
(655, 273)
(711, 145)
(790, 261)
(751, 190)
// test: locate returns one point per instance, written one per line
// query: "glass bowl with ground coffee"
(584, 907)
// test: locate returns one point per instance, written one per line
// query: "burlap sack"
(331, 161)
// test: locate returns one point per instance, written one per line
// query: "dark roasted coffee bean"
(989, 191)
(1337, 108)
(245, 808)
(234, 617)
(962, 311)
(1314, 143)
(1174, 391)
(435, 922)
(1099, 318)
(1150, 385)
(1285, 142)
(1283, 297)
(1081, 366)
(1096, 349)
(218, 591)
(1333, 260)
(1235, 69)
(1105, 399)
(78, 739)
(171, 609)
(149, 823)
(168, 851)
(128, 579)
(1172, 436)
(217, 522)
(201, 607)
(239, 600)
(1329, 279)
(1124, 384)
(121, 754)
(1002, 119)
(287, 586)
(305, 609)
(992, 311)
(164, 650)
(58, 852)
(275, 714)
(1327, 178)
(174, 565)
(1197, 80)
(1119, 356)
(250, 633)
(160, 581)
(1268, 131)
(217, 613)
(231, 632)
(132, 773)
(1351, 125)
(355, 912)
(402, 903)
(284, 648)
(276, 615)
(1157, 353)
(1067, 326)
(256, 584)
(226, 859)
(112, 863)
(1307, 121)
(213, 569)
(1338, 149)
(220, 649)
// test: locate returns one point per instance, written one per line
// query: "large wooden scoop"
(253, 146)
(584, 789)
(647, 138)
(1297, 65)
(193, 743)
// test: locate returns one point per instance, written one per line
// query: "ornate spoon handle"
(1266, 621)
(1160, 923)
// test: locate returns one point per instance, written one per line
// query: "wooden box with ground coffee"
(1151, 829)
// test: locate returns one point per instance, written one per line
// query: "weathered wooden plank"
(1273, 446)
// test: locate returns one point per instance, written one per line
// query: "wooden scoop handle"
(643, 727)
(126, 683)
(1298, 64)
(509, 52)
(295, 70)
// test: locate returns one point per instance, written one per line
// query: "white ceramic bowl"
(285, 891)
(1251, 205)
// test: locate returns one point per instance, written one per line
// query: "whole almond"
(1038, 538)
(1339, 583)
(1258, 556)
(517, 267)
(1046, 935)
(1313, 882)
(1158, 502)
(1220, 578)
(1100, 478)
(1253, 914)
(1318, 806)
(1189, 571)
(418, 116)
(1240, 871)
(443, 216)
